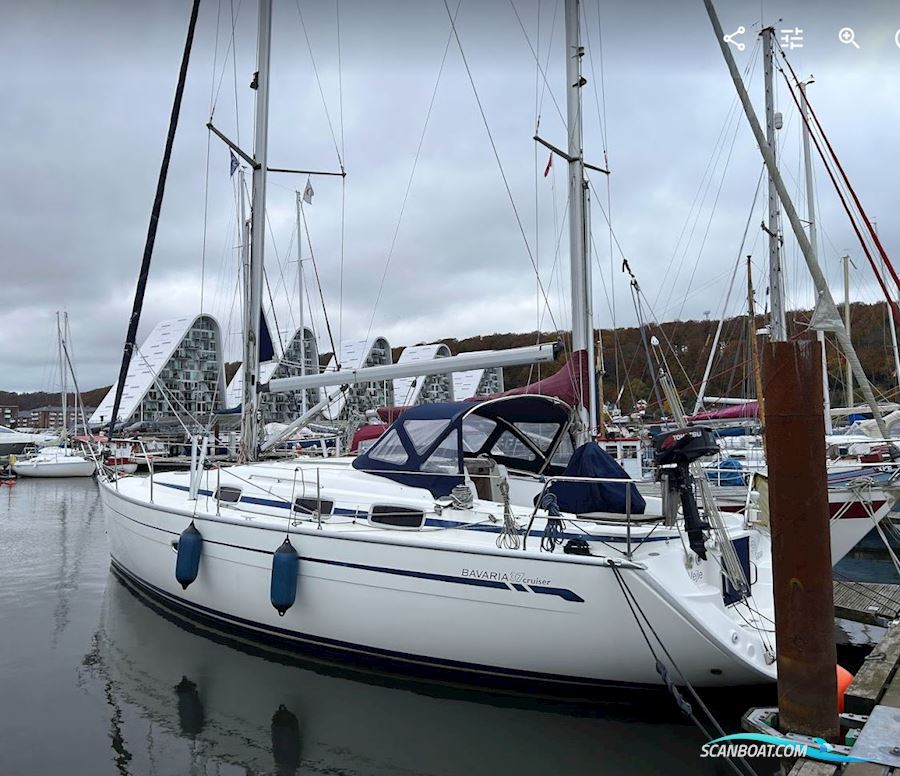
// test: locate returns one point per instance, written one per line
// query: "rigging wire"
(533, 54)
(234, 79)
(601, 121)
(337, 8)
(838, 189)
(409, 181)
(497, 157)
(231, 48)
(706, 179)
(206, 174)
(312, 256)
(269, 288)
(537, 221)
(312, 57)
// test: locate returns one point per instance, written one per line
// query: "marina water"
(97, 681)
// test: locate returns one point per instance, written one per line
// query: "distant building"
(45, 417)
(410, 391)
(281, 407)
(477, 382)
(177, 371)
(356, 354)
(9, 415)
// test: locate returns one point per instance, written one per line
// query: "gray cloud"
(88, 93)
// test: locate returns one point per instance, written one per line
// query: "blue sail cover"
(591, 460)
(266, 347)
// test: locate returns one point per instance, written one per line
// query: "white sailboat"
(55, 462)
(60, 460)
(438, 551)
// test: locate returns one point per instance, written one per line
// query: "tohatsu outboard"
(674, 452)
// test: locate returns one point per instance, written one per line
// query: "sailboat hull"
(61, 468)
(385, 604)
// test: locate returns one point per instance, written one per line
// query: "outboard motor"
(674, 452)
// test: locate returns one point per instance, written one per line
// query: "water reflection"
(286, 742)
(206, 703)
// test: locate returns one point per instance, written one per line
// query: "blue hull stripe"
(436, 523)
(561, 592)
(369, 657)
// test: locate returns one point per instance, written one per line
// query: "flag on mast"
(234, 162)
(308, 192)
(549, 165)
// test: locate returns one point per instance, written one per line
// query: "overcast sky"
(86, 96)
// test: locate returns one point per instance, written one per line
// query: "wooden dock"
(872, 706)
(866, 602)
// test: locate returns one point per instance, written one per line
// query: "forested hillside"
(685, 344)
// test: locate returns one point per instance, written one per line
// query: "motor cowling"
(684, 446)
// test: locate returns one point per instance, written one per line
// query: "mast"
(777, 326)
(245, 250)
(582, 317)
(849, 378)
(811, 217)
(303, 396)
(754, 352)
(825, 298)
(62, 375)
(131, 334)
(250, 404)
(714, 349)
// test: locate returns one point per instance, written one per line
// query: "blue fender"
(190, 545)
(285, 565)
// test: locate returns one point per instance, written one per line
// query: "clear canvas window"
(389, 449)
(476, 430)
(445, 458)
(422, 433)
(563, 452)
(511, 447)
(541, 434)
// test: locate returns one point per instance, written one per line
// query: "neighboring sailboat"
(13, 441)
(452, 546)
(63, 460)
(55, 462)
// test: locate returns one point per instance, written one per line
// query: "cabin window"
(511, 447)
(476, 431)
(629, 451)
(389, 449)
(228, 494)
(307, 506)
(423, 433)
(445, 458)
(396, 517)
(539, 434)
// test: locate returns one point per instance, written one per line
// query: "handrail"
(146, 456)
(563, 478)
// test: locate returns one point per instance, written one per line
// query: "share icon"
(730, 38)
